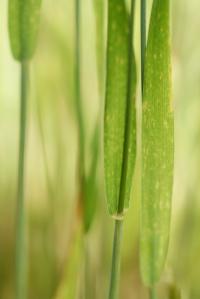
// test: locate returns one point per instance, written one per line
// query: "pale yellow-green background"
(51, 188)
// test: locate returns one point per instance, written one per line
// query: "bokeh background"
(58, 253)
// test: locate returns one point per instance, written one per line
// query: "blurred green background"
(55, 243)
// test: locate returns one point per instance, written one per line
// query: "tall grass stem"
(115, 270)
(78, 103)
(21, 262)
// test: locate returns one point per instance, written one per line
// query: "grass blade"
(157, 145)
(119, 126)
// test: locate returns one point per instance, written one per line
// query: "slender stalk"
(20, 225)
(79, 109)
(81, 140)
(86, 268)
(143, 37)
(89, 275)
(116, 256)
(115, 270)
(152, 293)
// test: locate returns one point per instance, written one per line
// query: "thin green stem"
(143, 37)
(81, 140)
(116, 257)
(152, 293)
(79, 109)
(21, 262)
(50, 188)
(86, 269)
(89, 275)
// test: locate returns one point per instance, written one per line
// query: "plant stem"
(115, 270)
(20, 225)
(81, 143)
(152, 293)
(143, 37)
(86, 269)
(89, 273)
(79, 110)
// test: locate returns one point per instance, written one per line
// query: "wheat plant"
(119, 124)
(23, 30)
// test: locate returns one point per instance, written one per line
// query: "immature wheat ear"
(23, 26)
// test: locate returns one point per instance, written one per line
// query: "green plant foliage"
(91, 183)
(115, 107)
(23, 27)
(157, 145)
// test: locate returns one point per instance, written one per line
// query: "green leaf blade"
(157, 146)
(23, 22)
(115, 106)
